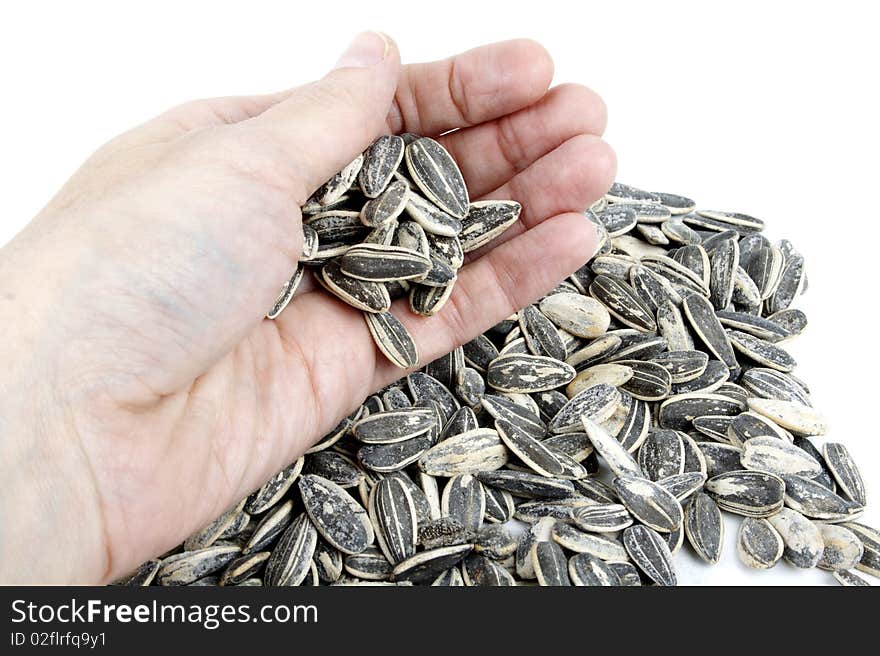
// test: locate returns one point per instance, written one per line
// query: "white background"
(766, 108)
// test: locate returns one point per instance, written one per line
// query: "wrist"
(50, 511)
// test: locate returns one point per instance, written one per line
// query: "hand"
(144, 393)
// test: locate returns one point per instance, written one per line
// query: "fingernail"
(367, 49)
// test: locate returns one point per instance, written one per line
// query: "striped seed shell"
(486, 220)
(430, 217)
(649, 551)
(186, 567)
(368, 565)
(275, 488)
(464, 500)
(683, 485)
(604, 547)
(704, 527)
(335, 187)
(533, 453)
(478, 570)
(596, 403)
(394, 425)
(649, 503)
(849, 578)
(587, 570)
(379, 263)
(291, 557)
(816, 501)
(501, 407)
(702, 319)
(387, 206)
(770, 454)
(365, 295)
(615, 455)
(526, 484)
(870, 538)
(678, 412)
(759, 545)
(602, 518)
(474, 451)
(381, 160)
(526, 373)
(748, 493)
(683, 366)
(450, 578)
(622, 301)
(724, 261)
(650, 381)
(796, 417)
(393, 339)
(243, 568)
(720, 458)
(287, 291)
(393, 515)
(540, 334)
(770, 384)
(550, 565)
(761, 351)
(338, 517)
(426, 565)
(385, 458)
(435, 172)
(269, 527)
(845, 472)
(662, 454)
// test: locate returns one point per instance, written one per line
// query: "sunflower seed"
(596, 403)
(845, 472)
(579, 315)
(622, 301)
(615, 455)
(486, 220)
(752, 494)
(387, 206)
(683, 366)
(394, 425)
(683, 485)
(450, 578)
(478, 570)
(678, 412)
(393, 457)
(393, 339)
(393, 516)
(650, 381)
(870, 538)
(842, 548)
(550, 565)
(500, 407)
(339, 519)
(801, 537)
(426, 565)
(364, 295)
(369, 565)
(625, 194)
(381, 160)
(761, 351)
(533, 453)
(526, 373)
(845, 577)
(796, 417)
(816, 501)
(706, 326)
(759, 545)
(437, 175)
(287, 292)
(586, 570)
(464, 500)
(335, 187)
(527, 485)
(274, 489)
(650, 553)
(649, 503)
(662, 454)
(626, 573)
(704, 527)
(291, 557)
(474, 451)
(430, 217)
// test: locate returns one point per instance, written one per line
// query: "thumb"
(322, 126)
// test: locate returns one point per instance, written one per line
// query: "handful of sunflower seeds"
(396, 221)
(646, 402)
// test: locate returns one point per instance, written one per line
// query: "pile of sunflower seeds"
(397, 221)
(582, 441)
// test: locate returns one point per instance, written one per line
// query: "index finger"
(471, 88)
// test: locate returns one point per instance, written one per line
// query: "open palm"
(180, 399)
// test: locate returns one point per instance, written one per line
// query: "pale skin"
(143, 393)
